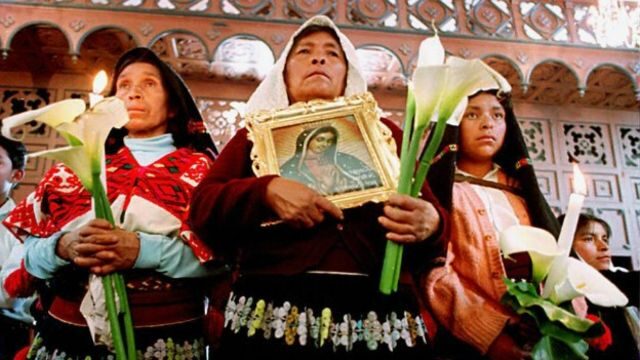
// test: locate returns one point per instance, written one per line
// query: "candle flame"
(579, 182)
(100, 82)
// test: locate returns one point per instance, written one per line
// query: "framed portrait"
(339, 148)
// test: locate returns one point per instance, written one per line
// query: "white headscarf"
(272, 91)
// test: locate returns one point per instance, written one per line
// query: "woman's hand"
(409, 219)
(298, 205)
(80, 246)
(100, 247)
(120, 256)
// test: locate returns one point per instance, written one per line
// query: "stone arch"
(103, 28)
(242, 57)
(510, 70)
(184, 50)
(40, 49)
(100, 48)
(552, 82)
(27, 25)
(382, 67)
(610, 86)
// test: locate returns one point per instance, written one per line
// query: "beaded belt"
(291, 322)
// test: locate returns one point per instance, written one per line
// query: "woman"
(308, 286)
(15, 316)
(591, 245)
(150, 173)
(318, 164)
(495, 187)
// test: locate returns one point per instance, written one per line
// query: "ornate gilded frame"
(272, 134)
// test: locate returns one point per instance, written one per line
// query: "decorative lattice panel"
(548, 184)
(222, 118)
(587, 143)
(489, 18)
(537, 136)
(629, 140)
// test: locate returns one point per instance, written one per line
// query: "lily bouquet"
(437, 96)
(86, 133)
(562, 333)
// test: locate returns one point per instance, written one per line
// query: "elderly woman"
(308, 286)
(151, 173)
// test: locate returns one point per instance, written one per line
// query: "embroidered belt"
(302, 325)
(145, 312)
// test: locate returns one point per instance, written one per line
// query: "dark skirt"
(57, 340)
(320, 316)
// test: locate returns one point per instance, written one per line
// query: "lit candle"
(565, 240)
(569, 224)
(99, 83)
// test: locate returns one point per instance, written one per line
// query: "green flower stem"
(430, 152)
(404, 187)
(393, 251)
(107, 282)
(114, 281)
(121, 290)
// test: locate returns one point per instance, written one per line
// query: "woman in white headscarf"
(308, 286)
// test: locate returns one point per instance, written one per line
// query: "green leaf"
(549, 348)
(527, 297)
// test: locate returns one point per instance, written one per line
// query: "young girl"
(495, 187)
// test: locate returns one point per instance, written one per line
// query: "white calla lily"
(539, 243)
(428, 82)
(466, 78)
(53, 115)
(440, 94)
(583, 280)
(85, 132)
(576, 279)
(441, 90)
(431, 52)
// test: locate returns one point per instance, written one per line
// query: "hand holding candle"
(99, 83)
(565, 240)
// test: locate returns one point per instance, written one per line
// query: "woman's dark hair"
(16, 151)
(185, 123)
(584, 219)
(513, 158)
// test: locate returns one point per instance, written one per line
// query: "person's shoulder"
(390, 124)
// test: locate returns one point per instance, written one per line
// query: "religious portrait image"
(329, 157)
(339, 151)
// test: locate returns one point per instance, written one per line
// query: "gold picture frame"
(339, 148)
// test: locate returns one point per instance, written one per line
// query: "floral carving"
(7, 21)
(77, 25)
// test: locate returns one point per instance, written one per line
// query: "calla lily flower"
(583, 280)
(578, 279)
(540, 244)
(428, 79)
(562, 331)
(53, 115)
(85, 132)
(431, 52)
(440, 92)
(441, 89)
(467, 77)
